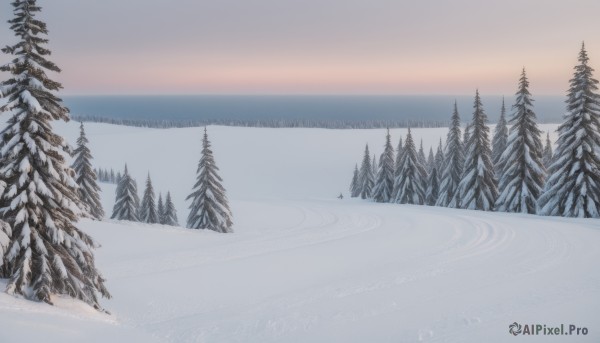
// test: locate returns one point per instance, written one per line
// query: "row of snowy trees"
(107, 176)
(128, 206)
(513, 173)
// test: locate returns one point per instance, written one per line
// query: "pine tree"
(47, 254)
(160, 209)
(466, 135)
(478, 186)
(454, 160)
(210, 207)
(366, 180)
(430, 161)
(355, 185)
(374, 166)
(384, 186)
(148, 213)
(408, 186)
(127, 200)
(422, 158)
(547, 156)
(439, 157)
(523, 173)
(573, 188)
(433, 189)
(170, 212)
(499, 141)
(86, 178)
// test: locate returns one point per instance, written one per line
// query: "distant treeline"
(270, 123)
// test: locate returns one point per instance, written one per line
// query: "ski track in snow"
(437, 275)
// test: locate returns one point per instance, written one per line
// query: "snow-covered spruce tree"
(573, 187)
(547, 155)
(430, 161)
(466, 135)
(399, 152)
(499, 141)
(523, 173)
(170, 212)
(422, 158)
(5, 235)
(374, 166)
(355, 185)
(127, 200)
(409, 184)
(47, 254)
(366, 180)
(439, 157)
(454, 161)
(478, 186)
(160, 209)
(384, 184)
(148, 213)
(433, 188)
(86, 178)
(210, 207)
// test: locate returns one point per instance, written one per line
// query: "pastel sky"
(315, 46)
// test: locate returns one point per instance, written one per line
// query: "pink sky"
(315, 47)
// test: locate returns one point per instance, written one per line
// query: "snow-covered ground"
(303, 266)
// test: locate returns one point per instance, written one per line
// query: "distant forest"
(269, 123)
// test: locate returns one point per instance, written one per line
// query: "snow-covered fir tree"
(499, 141)
(466, 134)
(454, 160)
(439, 157)
(148, 212)
(421, 155)
(210, 208)
(355, 185)
(477, 188)
(47, 254)
(547, 155)
(160, 209)
(430, 161)
(433, 188)
(374, 166)
(366, 180)
(409, 183)
(523, 173)
(86, 178)
(127, 200)
(573, 187)
(384, 184)
(170, 212)
(399, 152)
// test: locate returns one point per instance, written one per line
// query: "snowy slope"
(306, 267)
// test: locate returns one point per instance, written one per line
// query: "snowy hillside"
(303, 266)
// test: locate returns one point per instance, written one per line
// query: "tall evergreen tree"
(439, 157)
(47, 254)
(366, 180)
(384, 185)
(148, 213)
(355, 185)
(160, 209)
(454, 161)
(170, 212)
(374, 166)
(466, 135)
(127, 200)
(430, 161)
(573, 188)
(523, 172)
(478, 186)
(408, 186)
(422, 158)
(499, 141)
(86, 178)
(399, 152)
(433, 188)
(210, 207)
(547, 156)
